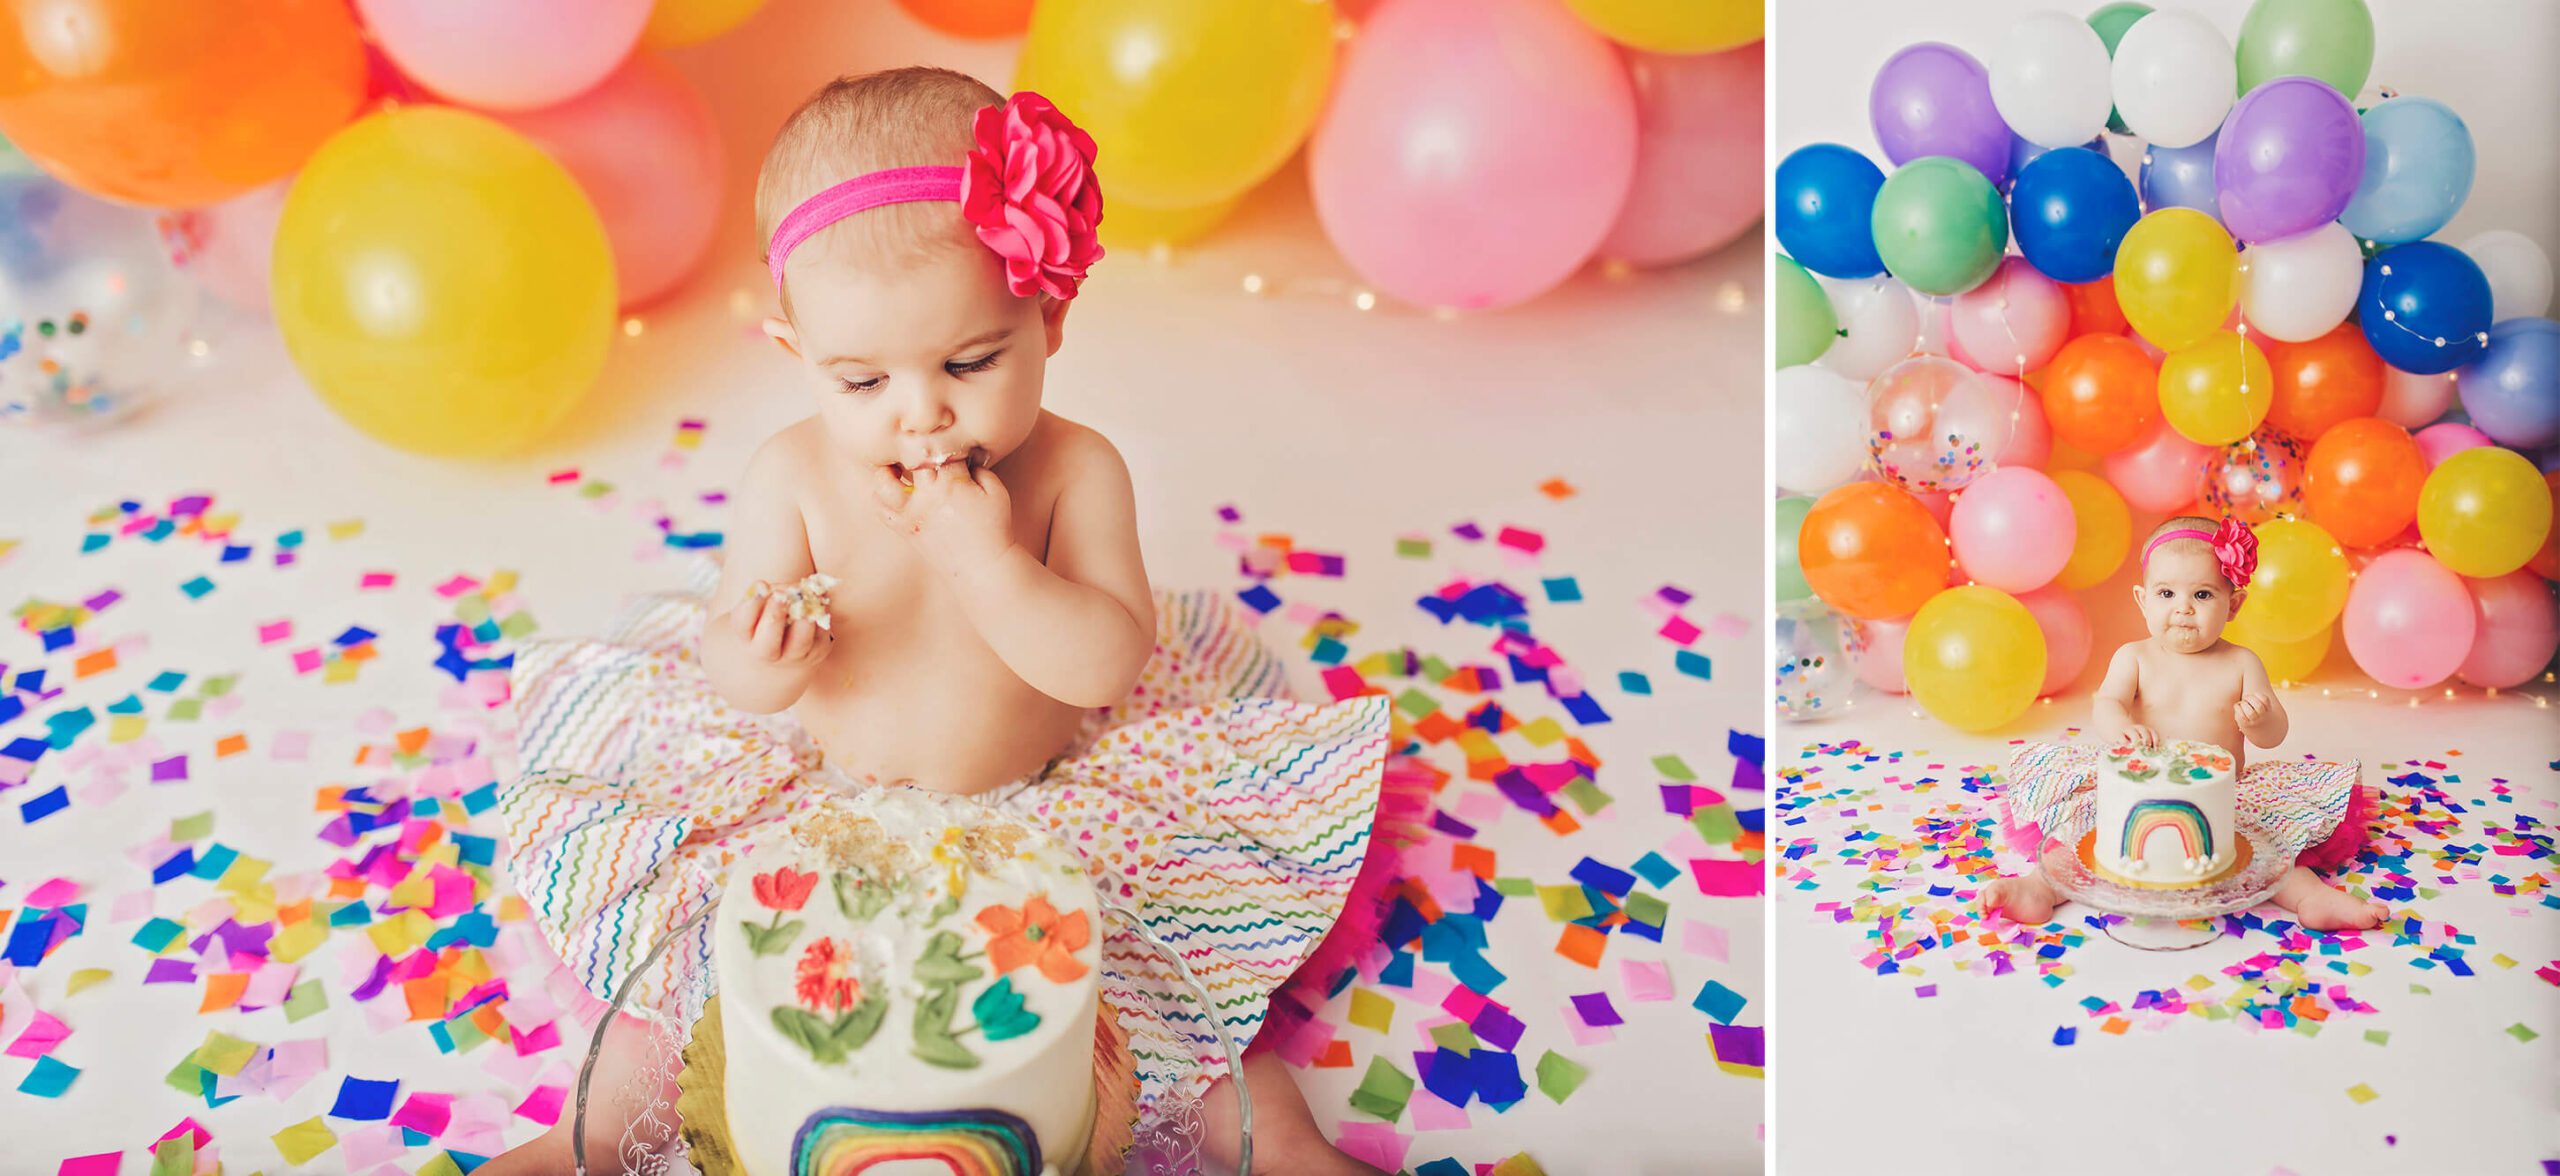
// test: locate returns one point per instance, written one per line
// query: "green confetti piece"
(442, 1165)
(1383, 1091)
(307, 999)
(1716, 824)
(1416, 703)
(195, 828)
(2378, 1036)
(1647, 909)
(518, 624)
(1413, 548)
(1515, 887)
(186, 710)
(1674, 768)
(1587, 796)
(174, 1156)
(216, 687)
(1454, 1036)
(2520, 1032)
(1559, 1076)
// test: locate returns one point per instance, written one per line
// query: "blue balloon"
(1826, 201)
(2023, 151)
(2424, 307)
(2070, 209)
(2513, 390)
(2181, 177)
(2417, 171)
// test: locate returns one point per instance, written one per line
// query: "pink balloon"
(506, 54)
(1697, 182)
(2013, 529)
(2030, 438)
(2065, 624)
(1474, 152)
(2409, 622)
(1881, 666)
(2440, 441)
(647, 152)
(2410, 400)
(230, 246)
(2519, 628)
(2011, 324)
(2159, 473)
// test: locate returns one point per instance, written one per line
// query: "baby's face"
(932, 362)
(2185, 601)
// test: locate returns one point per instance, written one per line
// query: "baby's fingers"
(771, 622)
(804, 637)
(889, 492)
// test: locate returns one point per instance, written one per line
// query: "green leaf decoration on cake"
(773, 940)
(831, 1042)
(854, 1027)
(1000, 1013)
(949, 906)
(935, 1042)
(861, 900)
(941, 963)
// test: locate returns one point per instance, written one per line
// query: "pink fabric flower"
(2235, 546)
(1028, 187)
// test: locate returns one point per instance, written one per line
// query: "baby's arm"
(1081, 627)
(2111, 712)
(2260, 716)
(755, 655)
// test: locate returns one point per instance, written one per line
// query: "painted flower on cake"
(1035, 933)
(826, 980)
(785, 889)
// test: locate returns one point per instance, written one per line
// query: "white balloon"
(2519, 273)
(1878, 326)
(1932, 313)
(2049, 80)
(2175, 77)
(1821, 426)
(2301, 287)
(2413, 401)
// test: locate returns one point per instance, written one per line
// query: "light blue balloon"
(2512, 392)
(2181, 177)
(2418, 161)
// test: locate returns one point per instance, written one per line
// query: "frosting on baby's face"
(929, 361)
(2184, 598)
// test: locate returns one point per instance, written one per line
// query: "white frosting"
(2154, 806)
(917, 851)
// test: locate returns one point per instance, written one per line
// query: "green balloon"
(2331, 40)
(1791, 585)
(2111, 22)
(1806, 324)
(1939, 226)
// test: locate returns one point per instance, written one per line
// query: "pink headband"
(1027, 186)
(2235, 547)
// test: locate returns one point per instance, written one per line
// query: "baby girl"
(2186, 682)
(989, 629)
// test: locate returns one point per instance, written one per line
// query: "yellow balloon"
(2217, 390)
(2106, 528)
(691, 22)
(1189, 103)
(1973, 657)
(2286, 661)
(2177, 277)
(1130, 227)
(2301, 581)
(442, 283)
(1674, 26)
(2484, 511)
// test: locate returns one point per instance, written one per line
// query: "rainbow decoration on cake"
(2195, 837)
(2166, 815)
(842, 1141)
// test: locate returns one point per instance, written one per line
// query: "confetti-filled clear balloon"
(1935, 424)
(2256, 479)
(94, 320)
(1817, 662)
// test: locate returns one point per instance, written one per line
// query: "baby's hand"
(960, 517)
(763, 622)
(2141, 737)
(2252, 709)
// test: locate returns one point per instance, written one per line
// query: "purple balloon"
(1935, 99)
(2288, 159)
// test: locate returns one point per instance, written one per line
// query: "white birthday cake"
(908, 984)
(2165, 816)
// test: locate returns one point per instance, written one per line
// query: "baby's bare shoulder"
(1063, 451)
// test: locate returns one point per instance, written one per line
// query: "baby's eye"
(2204, 594)
(968, 367)
(861, 386)
(2165, 593)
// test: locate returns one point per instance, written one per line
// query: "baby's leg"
(2322, 907)
(1286, 1141)
(612, 1102)
(2028, 898)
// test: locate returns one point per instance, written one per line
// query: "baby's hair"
(917, 116)
(2180, 523)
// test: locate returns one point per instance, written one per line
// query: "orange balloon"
(972, 18)
(1872, 551)
(2093, 307)
(2101, 393)
(2361, 481)
(2321, 382)
(2546, 562)
(176, 104)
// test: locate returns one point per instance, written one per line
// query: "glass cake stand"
(1168, 1138)
(2159, 919)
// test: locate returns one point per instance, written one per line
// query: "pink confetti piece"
(43, 1032)
(101, 1164)
(375, 580)
(1705, 940)
(53, 893)
(543, 1105)
(274, 631)
(1646, 980)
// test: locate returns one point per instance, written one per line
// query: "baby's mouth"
(968, 458)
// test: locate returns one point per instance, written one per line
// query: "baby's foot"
(2325, 909)
(2027, 899)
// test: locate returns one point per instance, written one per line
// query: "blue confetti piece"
(1562, 590)
(45, 805)
(1653, 868)
(2065, 1035)
(1694, 664)
(1634, 683)
(196, 588)
(364, 1100)
(1607, 879)
(1260, 598)
(57, 638)
(1719, 1002)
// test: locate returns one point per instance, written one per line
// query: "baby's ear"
(2238, 595)
(1053, 320)
(781, 332)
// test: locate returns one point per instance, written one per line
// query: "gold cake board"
(2089, 858)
